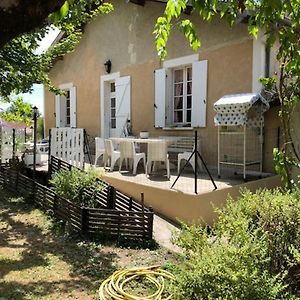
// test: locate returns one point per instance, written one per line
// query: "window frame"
(68, 108)
(184, 95)
(163, 94)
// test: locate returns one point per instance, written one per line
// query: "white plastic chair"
(127, 152)
(157, 152)
(185, 156)
(99, 149)
(110, 155)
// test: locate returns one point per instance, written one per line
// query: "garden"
(252, 252)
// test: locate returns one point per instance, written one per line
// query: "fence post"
(111, 201)
(84, 220)
(33, 191)
(14, 143)
(150, 222)
(55, 200)
(143, 214)
(17, 181)
(130, 203)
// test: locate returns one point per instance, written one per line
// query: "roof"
(240, 109)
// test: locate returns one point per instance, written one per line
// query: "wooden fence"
(117, 215)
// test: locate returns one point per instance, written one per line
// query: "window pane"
(68, 111)
(68, 94)
(112, 87)
(68, 121)
(178, 116)
(113, 113)
(188, 116)
(189, 102)
(178, 89)
(178, 75)
(113, 102)
(189, 74)
(189, 88)
(113, 123)
(178, 103)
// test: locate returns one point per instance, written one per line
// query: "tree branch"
(20, 16)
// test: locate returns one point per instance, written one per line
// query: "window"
(65, 106)
(182, 96)
(180, 93)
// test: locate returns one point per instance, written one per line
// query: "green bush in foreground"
(252, 252)
(71, 185)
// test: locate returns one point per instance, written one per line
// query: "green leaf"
(64, 9)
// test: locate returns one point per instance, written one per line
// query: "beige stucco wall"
(125, 37)
(189, 208)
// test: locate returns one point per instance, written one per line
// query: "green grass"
(38, 261)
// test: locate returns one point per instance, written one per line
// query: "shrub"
(72, 185)
(252, 252)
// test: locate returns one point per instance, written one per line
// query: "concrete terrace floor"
(185, 183)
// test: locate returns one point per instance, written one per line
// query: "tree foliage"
(18, 111)
(280, 21)
(21, 66)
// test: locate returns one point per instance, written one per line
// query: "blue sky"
(36, 98)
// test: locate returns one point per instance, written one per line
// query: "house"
(172, 98)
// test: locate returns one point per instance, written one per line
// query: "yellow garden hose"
(113, 286)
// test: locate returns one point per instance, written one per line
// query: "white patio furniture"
(99, 149)
(186, 155)
(110, 155)
(127, 152)
(157, 152)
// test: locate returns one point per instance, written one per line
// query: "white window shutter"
(199, 93)
(123, 103)
(73, 116)
(57, 110)
(160, 98)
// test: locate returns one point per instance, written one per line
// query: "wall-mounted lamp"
(107, 66)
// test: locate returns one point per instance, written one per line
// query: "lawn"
(38, 261)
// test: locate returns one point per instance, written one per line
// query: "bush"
(252, 252)
(72, 184)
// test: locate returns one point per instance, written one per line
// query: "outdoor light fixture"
(107, 66)
(34, 112)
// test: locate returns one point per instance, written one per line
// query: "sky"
(36, 98)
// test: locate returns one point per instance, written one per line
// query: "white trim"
(178, 128)
(64, 86)
(103, 79)
(181, 61)
(258, 62)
